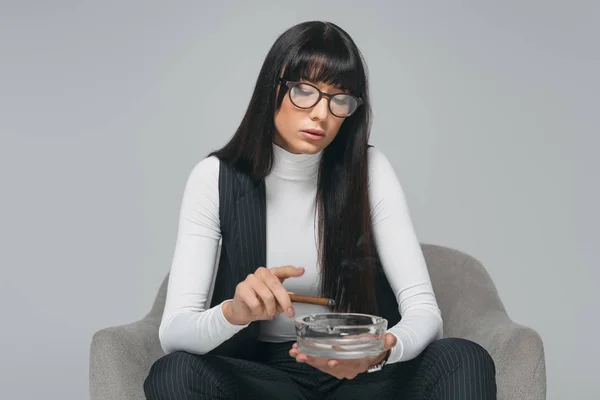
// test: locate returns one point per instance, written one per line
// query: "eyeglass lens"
(306, 96)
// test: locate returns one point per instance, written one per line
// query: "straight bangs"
(327, 60)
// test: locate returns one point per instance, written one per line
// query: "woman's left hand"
(343, 369)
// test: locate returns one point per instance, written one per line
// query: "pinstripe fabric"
(276, 375)
(242, 214)
(449, 369)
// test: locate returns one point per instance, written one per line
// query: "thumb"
(287, 271)
(390, 341)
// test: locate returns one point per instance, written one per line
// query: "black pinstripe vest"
(242, 212)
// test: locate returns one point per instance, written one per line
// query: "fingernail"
(290, 312)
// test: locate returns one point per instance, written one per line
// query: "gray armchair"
(121, 356)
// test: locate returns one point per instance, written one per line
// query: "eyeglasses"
(304, 95)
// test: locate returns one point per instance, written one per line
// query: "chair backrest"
(462, 286)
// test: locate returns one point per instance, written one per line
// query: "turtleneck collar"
(295, 166)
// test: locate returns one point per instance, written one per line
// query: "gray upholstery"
(121, 356)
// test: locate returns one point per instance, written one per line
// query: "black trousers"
(447, 369)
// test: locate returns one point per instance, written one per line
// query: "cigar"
(320, 301)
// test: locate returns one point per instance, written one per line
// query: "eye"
(341, 99)
(304, 90)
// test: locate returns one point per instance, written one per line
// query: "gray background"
(487, 110)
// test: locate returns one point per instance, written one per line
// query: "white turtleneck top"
(187, 324)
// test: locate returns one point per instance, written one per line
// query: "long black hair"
(320, 52)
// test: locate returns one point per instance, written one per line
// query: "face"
(306, 131)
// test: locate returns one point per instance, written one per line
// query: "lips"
(317, 132)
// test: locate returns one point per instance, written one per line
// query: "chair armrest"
(518, 353)
(120, 359)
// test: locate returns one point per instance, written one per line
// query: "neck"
(292, 166)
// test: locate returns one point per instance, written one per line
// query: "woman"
(303, 204)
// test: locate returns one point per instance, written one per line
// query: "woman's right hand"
(261, 296)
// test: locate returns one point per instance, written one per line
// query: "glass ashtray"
(340, 335)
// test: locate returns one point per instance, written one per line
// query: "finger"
(333, 371)
(248, 297)
(302, 357)
(281, 294)
(287, 271)
(265, 295)
(390, 341)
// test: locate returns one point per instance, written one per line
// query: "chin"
(301, 145)
(305, 147)
(311, 148)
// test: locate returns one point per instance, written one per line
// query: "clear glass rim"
(380, 320)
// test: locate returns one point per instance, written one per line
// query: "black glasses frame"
(328, 96)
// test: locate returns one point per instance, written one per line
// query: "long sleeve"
(187, 324)
(402, 259)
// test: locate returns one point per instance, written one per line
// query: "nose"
(320, 110)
